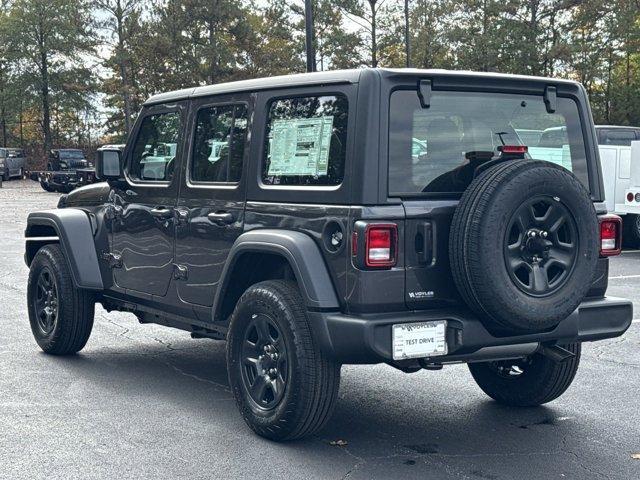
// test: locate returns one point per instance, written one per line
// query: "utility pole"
(308, 21)
(406, 33)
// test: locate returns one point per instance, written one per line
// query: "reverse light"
(381, 240)
(610, 235)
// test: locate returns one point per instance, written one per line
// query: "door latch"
(112, 259)
(180, 272)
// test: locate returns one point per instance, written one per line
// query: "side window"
(306, 141)
(218, 149)
(155, 148)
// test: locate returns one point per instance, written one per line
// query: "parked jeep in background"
(12, 162)
(351, 217)
(66, 170)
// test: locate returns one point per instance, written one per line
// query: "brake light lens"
(381, 242)
(610, 235)
(513, 149)
(629, 197)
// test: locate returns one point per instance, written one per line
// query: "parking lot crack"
(177, 369)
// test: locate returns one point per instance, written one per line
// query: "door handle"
(161, 212)
(221, 218)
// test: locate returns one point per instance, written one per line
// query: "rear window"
(306, 141)
(617, 137)
(437, 149)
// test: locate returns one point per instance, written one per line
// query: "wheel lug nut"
(544, 234)
(273, 372)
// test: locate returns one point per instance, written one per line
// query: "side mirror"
(109, 164)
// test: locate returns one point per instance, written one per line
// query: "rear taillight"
(381, 242)
(610, 235)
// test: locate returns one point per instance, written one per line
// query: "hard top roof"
(326, 77)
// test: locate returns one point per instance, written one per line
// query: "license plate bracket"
(419, 339)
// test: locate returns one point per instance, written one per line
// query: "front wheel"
(284, 386)
(60, 314)
(528, 382)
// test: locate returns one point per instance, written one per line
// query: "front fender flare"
(303, 255)
(75, 236)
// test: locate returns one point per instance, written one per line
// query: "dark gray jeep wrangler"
(412, 217)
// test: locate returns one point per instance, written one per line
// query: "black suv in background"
(358, 217)
(67, 168)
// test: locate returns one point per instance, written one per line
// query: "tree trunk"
(374, 43)
(122, 64)
(46, 107)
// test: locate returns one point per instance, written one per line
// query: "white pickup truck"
(620, 158)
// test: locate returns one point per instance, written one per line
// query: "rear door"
(142, 236)
(210, 209)
(433, 156)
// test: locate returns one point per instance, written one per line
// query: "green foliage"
(73, 68)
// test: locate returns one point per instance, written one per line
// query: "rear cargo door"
(428, 276)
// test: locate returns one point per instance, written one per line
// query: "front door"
(211, 205)
(143, 226)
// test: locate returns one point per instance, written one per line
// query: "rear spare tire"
(524, 245)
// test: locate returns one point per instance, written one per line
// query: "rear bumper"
(367, 338)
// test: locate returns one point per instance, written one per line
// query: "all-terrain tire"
(479, 246)
(45, 186)
(527, 383)
(631, 231)
(311, 380)
(65, 327)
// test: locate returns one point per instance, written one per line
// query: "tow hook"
(556, 353)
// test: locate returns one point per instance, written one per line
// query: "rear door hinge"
(112, 259)
(180, 272)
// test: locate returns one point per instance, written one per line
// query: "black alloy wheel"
(284, 384)
(265, 364)
(541, 245)
(60, 315)
(46, 302)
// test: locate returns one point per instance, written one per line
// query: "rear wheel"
(284, 386)
(60, 314)
(528, 382)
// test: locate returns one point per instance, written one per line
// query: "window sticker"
(300, 146)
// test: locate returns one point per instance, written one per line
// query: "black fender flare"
(303, 255)
(75, 235)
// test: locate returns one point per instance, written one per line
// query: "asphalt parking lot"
(144, 401)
